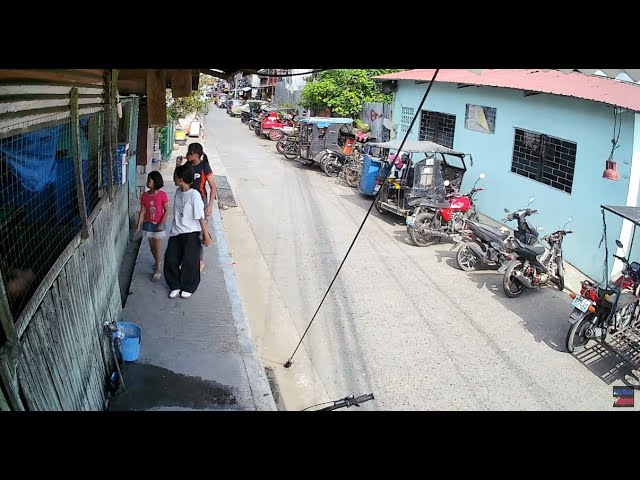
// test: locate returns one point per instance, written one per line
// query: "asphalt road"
(401, 321)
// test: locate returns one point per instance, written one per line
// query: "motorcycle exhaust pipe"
(433, 233)
(522, 279)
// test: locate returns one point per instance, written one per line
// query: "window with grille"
(405, 119)
(545, 159)
(437, 127)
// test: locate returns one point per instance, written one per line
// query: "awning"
(630, 213)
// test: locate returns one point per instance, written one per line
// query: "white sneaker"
(174, 294)
(185, 294)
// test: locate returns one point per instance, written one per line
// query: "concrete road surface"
(401, 321)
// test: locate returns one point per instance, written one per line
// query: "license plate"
(581, 303)
(411, 221)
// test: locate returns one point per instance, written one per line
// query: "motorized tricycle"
(323, 139)
(610, 308)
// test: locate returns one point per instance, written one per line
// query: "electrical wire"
(375, 198)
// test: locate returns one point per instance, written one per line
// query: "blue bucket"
(131, 342)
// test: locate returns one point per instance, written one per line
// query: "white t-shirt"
(188, 209)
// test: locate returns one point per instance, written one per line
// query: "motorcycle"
(599, 311)
(489, 246)
(436, 220)
(535, 266)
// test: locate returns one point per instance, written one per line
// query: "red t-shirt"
(154, 206)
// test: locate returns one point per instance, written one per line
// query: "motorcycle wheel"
(244, 119)
(329, 169)
(512, 287)
(577, 338)
(351, 176)
(466, 260)
(422, 219)
(275, 135)
(280, 146)
(291, 151)
(257, 131)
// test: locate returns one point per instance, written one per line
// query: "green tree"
(344, 91)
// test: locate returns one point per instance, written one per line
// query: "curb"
(258, 382)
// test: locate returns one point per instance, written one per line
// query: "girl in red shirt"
(154, 210)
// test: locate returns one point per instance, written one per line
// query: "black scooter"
(487, 245)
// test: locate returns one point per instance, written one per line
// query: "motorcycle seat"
(492, 231)
(537, 250)
(428, 203)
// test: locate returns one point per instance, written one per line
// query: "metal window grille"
(437, 127)
(545, 159)
(39, 200)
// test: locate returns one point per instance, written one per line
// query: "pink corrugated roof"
(578, 85)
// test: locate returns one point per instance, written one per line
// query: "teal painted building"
(531, 139)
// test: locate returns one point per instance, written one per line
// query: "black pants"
(182, 262)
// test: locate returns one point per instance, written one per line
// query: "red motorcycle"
(432, 221)
(599, 310)
(272, 125)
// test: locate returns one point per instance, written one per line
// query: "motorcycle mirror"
(539, 229)
(570, 219)
(531, 200)
(482, 175)
(619, 244)
(506, 210)
(446, 183)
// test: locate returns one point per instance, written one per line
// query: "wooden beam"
(137, 86)
(180, 80)
(195, 79)
(77, 162)
(132, 74)
(72, 76)
(156, 97)
(9, 377)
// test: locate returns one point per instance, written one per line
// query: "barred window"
(545, 159)
(437, 127)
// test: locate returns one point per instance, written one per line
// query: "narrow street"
(401, 321)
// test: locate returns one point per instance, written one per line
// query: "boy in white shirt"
(182, 257)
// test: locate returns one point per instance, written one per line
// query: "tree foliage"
(344, 91)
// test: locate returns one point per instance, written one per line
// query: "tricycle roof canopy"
(629, 213)
(326, 120)
(415, 146)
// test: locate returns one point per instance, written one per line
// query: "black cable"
(418, 110)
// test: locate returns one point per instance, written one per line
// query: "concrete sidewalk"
(196, 354)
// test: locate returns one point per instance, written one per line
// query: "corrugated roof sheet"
(577, 85)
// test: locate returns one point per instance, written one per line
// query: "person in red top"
(154, 210)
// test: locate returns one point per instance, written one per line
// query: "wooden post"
(108, 131)
(180, 80)
(77, 161)
(157, 97)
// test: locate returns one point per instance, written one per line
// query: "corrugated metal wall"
(284, 96)
(30, 97)
(373, 114)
